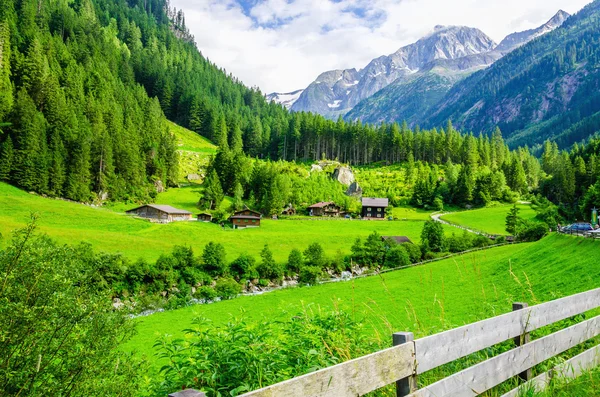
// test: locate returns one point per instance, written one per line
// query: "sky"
(283, 45)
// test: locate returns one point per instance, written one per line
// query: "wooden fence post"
(521, 340)
(409, 384)
(188, 393)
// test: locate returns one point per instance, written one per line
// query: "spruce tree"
(6, 159)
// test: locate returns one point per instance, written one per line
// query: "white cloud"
(283, 45)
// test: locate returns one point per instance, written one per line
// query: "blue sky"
(283, 45)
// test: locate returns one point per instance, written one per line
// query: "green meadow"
(490, 219)
(424, 299)
(110, 230)
(190, 141)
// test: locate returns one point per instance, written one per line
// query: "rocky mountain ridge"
(451, 53)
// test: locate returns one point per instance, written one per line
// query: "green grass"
(422, 300)
(111, 231)
(490, 220)
(190, 141)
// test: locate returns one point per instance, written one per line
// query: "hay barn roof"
(163, 208)
(375, 202)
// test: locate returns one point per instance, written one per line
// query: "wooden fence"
(409, 358)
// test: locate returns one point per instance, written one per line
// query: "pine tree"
(6, 159)
(6, 88)
(213, 192)
(238, 198)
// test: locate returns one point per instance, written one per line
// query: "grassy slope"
(111, 231)
(422, 299)
(194, 151)
(190, 141)
(490, 220)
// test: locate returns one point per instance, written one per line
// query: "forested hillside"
(547, 89)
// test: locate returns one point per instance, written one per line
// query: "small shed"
(324, 208)
(161, 213)
(397, 239)
(205, 217)
(374, 208)
(245, 218)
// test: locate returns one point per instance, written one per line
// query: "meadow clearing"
(110, 230)
(490, 219)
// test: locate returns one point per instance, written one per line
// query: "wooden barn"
(245, 218)
(324, 209)
(161, 213)
(397, 239)
(204, 217)
(374, 208)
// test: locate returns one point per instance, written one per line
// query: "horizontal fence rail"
(409, 358)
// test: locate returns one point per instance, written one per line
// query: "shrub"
(243, 267)
(60, 333)
(207, 293)
(438, 204)
(309, 275)
(432, 237)
(213, 258)
(295, 261)
(268, 268)
(414, 252)
(315, 256)
(397, 256)
(218, 359)
(533, 231)
(227, 288)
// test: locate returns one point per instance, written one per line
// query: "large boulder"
(354, 190)
(344, 175)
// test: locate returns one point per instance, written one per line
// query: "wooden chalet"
(374, 208)
(397, 239)
(323, 208)
(245, 218)
(205, 217)
(161, 213)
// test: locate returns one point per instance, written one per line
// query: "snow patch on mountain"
(286, 99)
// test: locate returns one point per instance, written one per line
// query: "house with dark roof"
(324, 208)
(245, 218)
(397, 239)
(205, 217)
(161, 213)
(374, 208)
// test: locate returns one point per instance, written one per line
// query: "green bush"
(397, 256)
(227, 288)
(239, 357)
(533, 231)
(59, 334)
(207, 293)
(309, 275)
(243, 267)
(414, 252)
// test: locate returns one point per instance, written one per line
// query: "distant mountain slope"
(544, 88)
(286, 99)
(412, 98)
(515, 40)
(336, 92)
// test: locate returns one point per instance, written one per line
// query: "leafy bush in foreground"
(240, 356)
(59, 334)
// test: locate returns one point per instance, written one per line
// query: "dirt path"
(437, 217)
